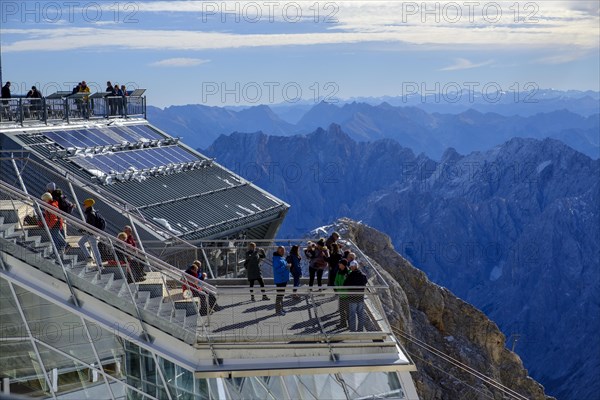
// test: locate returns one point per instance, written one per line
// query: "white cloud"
(73, 38)
(463, 63)
(179, 62)
(556, 25)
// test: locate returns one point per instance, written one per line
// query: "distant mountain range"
(507, 103)
(514, 230)
(412, 126)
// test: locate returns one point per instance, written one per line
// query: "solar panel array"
(124, 152)
(119, 162)
(85, 138)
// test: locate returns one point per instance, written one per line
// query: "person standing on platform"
(294, 259)
(356, 298)
(340, 278)
(252, 264)
(281, 276)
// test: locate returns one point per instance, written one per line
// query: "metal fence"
(226, 257)
(74, 107)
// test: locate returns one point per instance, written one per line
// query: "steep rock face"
(515, 231)
(321, 174)
(438, 318)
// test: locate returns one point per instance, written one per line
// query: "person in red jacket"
(54, 222)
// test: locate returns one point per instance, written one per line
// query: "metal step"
(77, 270)
(45, 250)
(21, 236)
(32, 241)
(142, 298)
(191, 322)
(91, 276)
(153, 304)
(178, 317)
(6, 229)
(10, 215)
(166, 311)
(69, 260)
(116, 272)
(107, 281)
(118, 288)
(155, 289)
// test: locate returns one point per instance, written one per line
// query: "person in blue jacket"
(281, 276)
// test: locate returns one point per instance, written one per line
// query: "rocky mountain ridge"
(427, 132)
(429, 314)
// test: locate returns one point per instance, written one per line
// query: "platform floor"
(307, 318)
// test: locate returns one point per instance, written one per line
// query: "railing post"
(72, 190)
(45, 114)
(67, 109)
(21, 113)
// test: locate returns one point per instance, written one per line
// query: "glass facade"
(48, 352)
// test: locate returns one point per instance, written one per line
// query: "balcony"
(64, 107)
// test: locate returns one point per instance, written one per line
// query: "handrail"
(106, 196)
(203, 328)
(172, 272)
(238, 245)
(156, 264)
(21, 110)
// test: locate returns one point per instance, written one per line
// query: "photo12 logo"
(55, 12)
(268, 92)
(471, 92)
(473, 12)
(270, 11)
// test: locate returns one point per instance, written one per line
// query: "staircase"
(148, 299)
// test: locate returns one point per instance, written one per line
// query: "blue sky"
(265, 52)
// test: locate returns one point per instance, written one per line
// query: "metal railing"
(67, 181)
(226, 257)
(74, 108)
(122, 275)
(218, 316)
(232, 300)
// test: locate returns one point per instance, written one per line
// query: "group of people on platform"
(342, 267)
(55, 197)
(116, 97)
(323, 255)
(33, 93)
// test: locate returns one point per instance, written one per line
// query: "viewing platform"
(68, 107)
(222, 332)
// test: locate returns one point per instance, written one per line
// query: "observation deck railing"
(69, 108)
